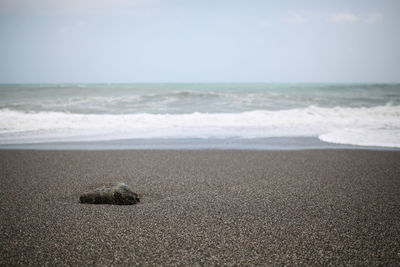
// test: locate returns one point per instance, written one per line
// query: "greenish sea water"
(351, 114)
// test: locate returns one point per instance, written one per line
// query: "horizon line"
(110, 83)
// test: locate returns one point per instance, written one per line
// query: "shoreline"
(220, 144)
(207, 207)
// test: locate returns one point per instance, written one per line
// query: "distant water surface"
(351, 114)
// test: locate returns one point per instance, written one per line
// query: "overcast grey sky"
(199, 41)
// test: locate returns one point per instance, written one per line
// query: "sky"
(128, 41)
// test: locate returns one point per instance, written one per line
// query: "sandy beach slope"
(202, 207)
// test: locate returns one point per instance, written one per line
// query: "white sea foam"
(374, 126)
(364, 137)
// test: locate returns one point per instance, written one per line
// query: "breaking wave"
(368, 126)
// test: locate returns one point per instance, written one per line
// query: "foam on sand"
(364, 137)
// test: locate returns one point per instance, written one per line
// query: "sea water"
(247, 116)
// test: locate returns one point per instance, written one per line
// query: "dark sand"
(202, 207)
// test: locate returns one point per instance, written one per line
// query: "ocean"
(200, 116)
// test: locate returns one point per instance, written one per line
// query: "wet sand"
(202, 208)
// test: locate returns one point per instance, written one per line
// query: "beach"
(199, 133)
(202, 207)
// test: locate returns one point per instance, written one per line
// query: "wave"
(114, 104)
(184, 99)
(376, 126)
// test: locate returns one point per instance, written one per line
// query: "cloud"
(343, 17)
(295, 18)
(63, 29)
(349, 17)
(81, 23)
(374, 17)
(301, 17)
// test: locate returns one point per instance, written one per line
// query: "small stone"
(111, 193)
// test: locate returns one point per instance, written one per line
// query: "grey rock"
(111, 193)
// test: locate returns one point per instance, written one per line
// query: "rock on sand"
(111, 193)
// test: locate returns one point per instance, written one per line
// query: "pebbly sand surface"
(202, 208)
